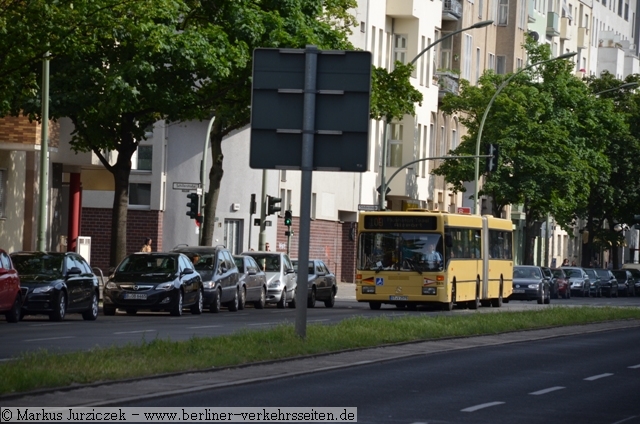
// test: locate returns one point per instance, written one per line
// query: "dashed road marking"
(50, 338)
(481, 406)
(133, 332)
(548, 390)
(596, 377)
(205, 326)
(634, 366)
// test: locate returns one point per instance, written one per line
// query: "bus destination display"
(391, 222)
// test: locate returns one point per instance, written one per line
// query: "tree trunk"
(215, 179)
(531, 230)
(120, 171)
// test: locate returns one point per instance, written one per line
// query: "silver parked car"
(578, 280)
(253, 280)
(281, 277)
(322, 283)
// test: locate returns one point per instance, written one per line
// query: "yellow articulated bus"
(419, 257)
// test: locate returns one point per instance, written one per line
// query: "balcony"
(553, 24)
(566, 30)
(583, 38)
(451, 10)
(402, 8)
(448, 82)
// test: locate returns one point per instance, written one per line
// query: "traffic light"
(492, 162)
(194, 200)
(287, 218)
(272, 205)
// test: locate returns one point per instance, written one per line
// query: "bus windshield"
(402, 251)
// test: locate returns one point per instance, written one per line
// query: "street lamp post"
(486, 112)
(383, 184)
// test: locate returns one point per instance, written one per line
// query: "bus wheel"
(448, 306)
(496, 303)
(475, 303)
(375, 305)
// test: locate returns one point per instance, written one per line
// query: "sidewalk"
(116, 393)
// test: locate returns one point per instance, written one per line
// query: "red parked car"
(10, 294)
(562, 283)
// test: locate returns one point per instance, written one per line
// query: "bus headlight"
(429, 290)
(368, 289)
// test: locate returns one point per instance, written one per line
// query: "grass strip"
(47, 369)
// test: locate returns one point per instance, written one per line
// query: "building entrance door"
(233, 235)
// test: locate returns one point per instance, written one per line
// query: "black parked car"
(322, 283)
(57, 283)
(635, 273)
(625, 281)
(529, 283)
(156, 282)
(220, 277)
(594, 278)
(608, 282)
(253, 280)
(553, 286)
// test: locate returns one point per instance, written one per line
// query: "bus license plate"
(398, 298)
(518, 290)
(135, 296)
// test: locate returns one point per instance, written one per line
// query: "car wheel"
(131, 311)
(293, 303)
(13, 315)
(311, 300)
(375, 305)
(176, 310)
(91, 314)
(196, 308)
(448, 306)
(547, 299)
(234, 304)
(242, 299)
(216, 305)
(283, 299)
(109, 310)
(263, 299)
(331, 301)
(60, 308)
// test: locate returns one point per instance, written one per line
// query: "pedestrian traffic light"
(287, 218)
(194, 199)
(492, 161)
(272, 205)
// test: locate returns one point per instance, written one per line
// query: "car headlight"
(577, 284)
(45, 289)
(165, 286)
(111, 285)
(208, 284)
(533, 286)
(274, 284)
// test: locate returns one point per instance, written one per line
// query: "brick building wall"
(96, 223)
(329, 241)
(18, 130)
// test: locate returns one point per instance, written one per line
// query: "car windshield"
(620, 275)
(573, 272)
(268, 263)
(558, 273)
(295, 266)
(38, 264)
(526, 272)
(239, 263)
(591, 273)
(602, 273)
(148, 264)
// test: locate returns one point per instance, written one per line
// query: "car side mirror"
(187, 271)
(74, 271)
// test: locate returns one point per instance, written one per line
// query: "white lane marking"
(265, 323)
(7, 359)
(50, 338)
(49, 324)
(317, 320)
(544, 391)
(206, 326)
(634, 366)
(481, 406)
(625, 420)
(596, 377)
(133, 332)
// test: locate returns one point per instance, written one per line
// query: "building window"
(480, 7)
(501, 65)
(518, 63)
(626, 12)
(522, 18)
(425, 138)
(503, 13)
(143, 158)
(445, 52)
(139, 194)
(3, 192)
(468, 56)
(478, 65)
(395, 145)
(492, 62)
(400, 48)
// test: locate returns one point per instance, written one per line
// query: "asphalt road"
(587, 378)
(73, 334)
